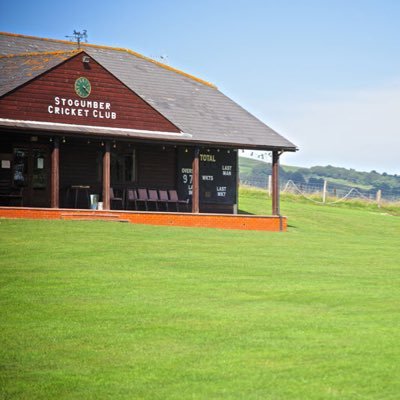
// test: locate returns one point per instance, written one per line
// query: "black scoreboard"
(217, 177)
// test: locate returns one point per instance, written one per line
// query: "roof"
(195, 106)
(17, 69)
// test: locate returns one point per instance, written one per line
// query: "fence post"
(269, 185)
(379, 197)
(324, 191)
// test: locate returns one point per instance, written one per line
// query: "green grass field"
(103, 310)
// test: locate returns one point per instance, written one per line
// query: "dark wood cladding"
(81, 163)
(157, 167)
(76, 169)
(31, 101)
(217, 208)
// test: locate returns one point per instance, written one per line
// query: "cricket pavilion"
(95, 132)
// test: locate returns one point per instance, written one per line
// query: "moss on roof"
(195, 78)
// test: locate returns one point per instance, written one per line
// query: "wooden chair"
(164, 199)
(116, 199)
(143, 198)
(173, 196)
(131, 198)
(153, 198)
(10, 194)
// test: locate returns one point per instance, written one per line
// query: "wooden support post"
(236, 205)
(55, 174)
(275, 183)
(196, 181)
(106, 176)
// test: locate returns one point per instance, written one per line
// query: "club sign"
(81, 107)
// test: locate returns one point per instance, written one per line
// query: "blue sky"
(325, 74)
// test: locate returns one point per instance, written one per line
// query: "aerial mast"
(78, 36)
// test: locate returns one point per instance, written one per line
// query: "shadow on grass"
(245, 212)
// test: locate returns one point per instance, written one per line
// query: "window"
(123, 167)
(20, 167)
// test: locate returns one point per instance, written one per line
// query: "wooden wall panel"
(32, 100)
(80, 164)
(157, 167)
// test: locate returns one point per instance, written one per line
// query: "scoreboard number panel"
(217, 175)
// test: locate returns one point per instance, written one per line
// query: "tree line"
(256, 171)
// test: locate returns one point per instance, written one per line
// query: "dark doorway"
(31, 171)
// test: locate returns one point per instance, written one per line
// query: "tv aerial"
(78, 36)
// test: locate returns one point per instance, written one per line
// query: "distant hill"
(256, 173)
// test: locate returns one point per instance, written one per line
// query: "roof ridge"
(167, 67)
(41, 53)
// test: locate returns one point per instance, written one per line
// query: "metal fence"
(328, 192)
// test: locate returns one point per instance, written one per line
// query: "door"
(31, 171)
